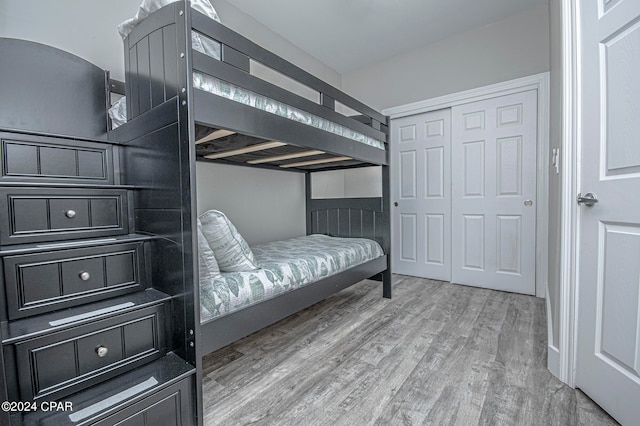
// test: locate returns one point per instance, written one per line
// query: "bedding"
(285, 266)
(232, 92)
(147, 7)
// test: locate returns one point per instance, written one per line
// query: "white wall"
(505, 50)
(264, 205)
(354, 183)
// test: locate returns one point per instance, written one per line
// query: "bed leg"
(386, 284)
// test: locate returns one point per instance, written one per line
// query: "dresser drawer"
(47, 281)
(36, 214)
(61, 363)
(45, 159)
(169, 407)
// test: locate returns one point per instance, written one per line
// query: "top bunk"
(244, 104)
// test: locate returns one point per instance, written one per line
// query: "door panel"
(434, 185)
(474, 243)
(493, 193)
(608, 349)
(408, 175)
(421, 222)
(408, 235)
(619, 299)
(508, 234)
(435, 229)
(509, 167)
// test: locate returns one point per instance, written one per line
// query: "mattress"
(286, 265)
(235, 93)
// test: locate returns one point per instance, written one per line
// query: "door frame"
(565, 369)
(540, 83)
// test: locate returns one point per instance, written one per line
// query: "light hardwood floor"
(435, 354)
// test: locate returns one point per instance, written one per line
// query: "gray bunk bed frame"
(162, 103)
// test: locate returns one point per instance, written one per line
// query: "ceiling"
(350, 34)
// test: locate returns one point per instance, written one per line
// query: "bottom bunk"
(221, 331)
(268, 282)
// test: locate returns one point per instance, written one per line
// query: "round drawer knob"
(102, 351)
(84, 276)
(70, 214)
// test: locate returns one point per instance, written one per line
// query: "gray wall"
(355, 183)
(555, 141)
(242, 23)
(264, 205)
(508, 49)
(86, 28)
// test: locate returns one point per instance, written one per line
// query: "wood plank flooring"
(435, 354)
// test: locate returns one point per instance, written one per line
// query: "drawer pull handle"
(70, 214)
(102, 351)
(84, 276)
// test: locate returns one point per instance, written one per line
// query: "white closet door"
(493, 193)
(421, 219)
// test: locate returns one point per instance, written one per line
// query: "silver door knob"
(70, 214)
(84, 276)
(528, 203)
(102, 351)
(589, 199)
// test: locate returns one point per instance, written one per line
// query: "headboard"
(47, 90)
(348, 217)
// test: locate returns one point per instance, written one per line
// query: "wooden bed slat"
(251, 148)
(218, 112)
(215, 135)
(286, 157)
(311, 162)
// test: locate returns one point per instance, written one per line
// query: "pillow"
(147, 7)
(207, 264)
(229, 248)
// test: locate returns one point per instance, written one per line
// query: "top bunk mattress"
(235, 93)
(286, 265)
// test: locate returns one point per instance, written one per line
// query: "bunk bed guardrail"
(152, 59)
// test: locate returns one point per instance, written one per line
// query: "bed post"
(386, 237)
(307, 187)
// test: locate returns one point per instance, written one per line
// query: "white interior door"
(493, 193)
(608, 349)
(420, 185)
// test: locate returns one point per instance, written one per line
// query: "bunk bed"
(224, 99)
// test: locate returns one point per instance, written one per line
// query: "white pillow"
(207, 264)
(229, 248)
(147, 7)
